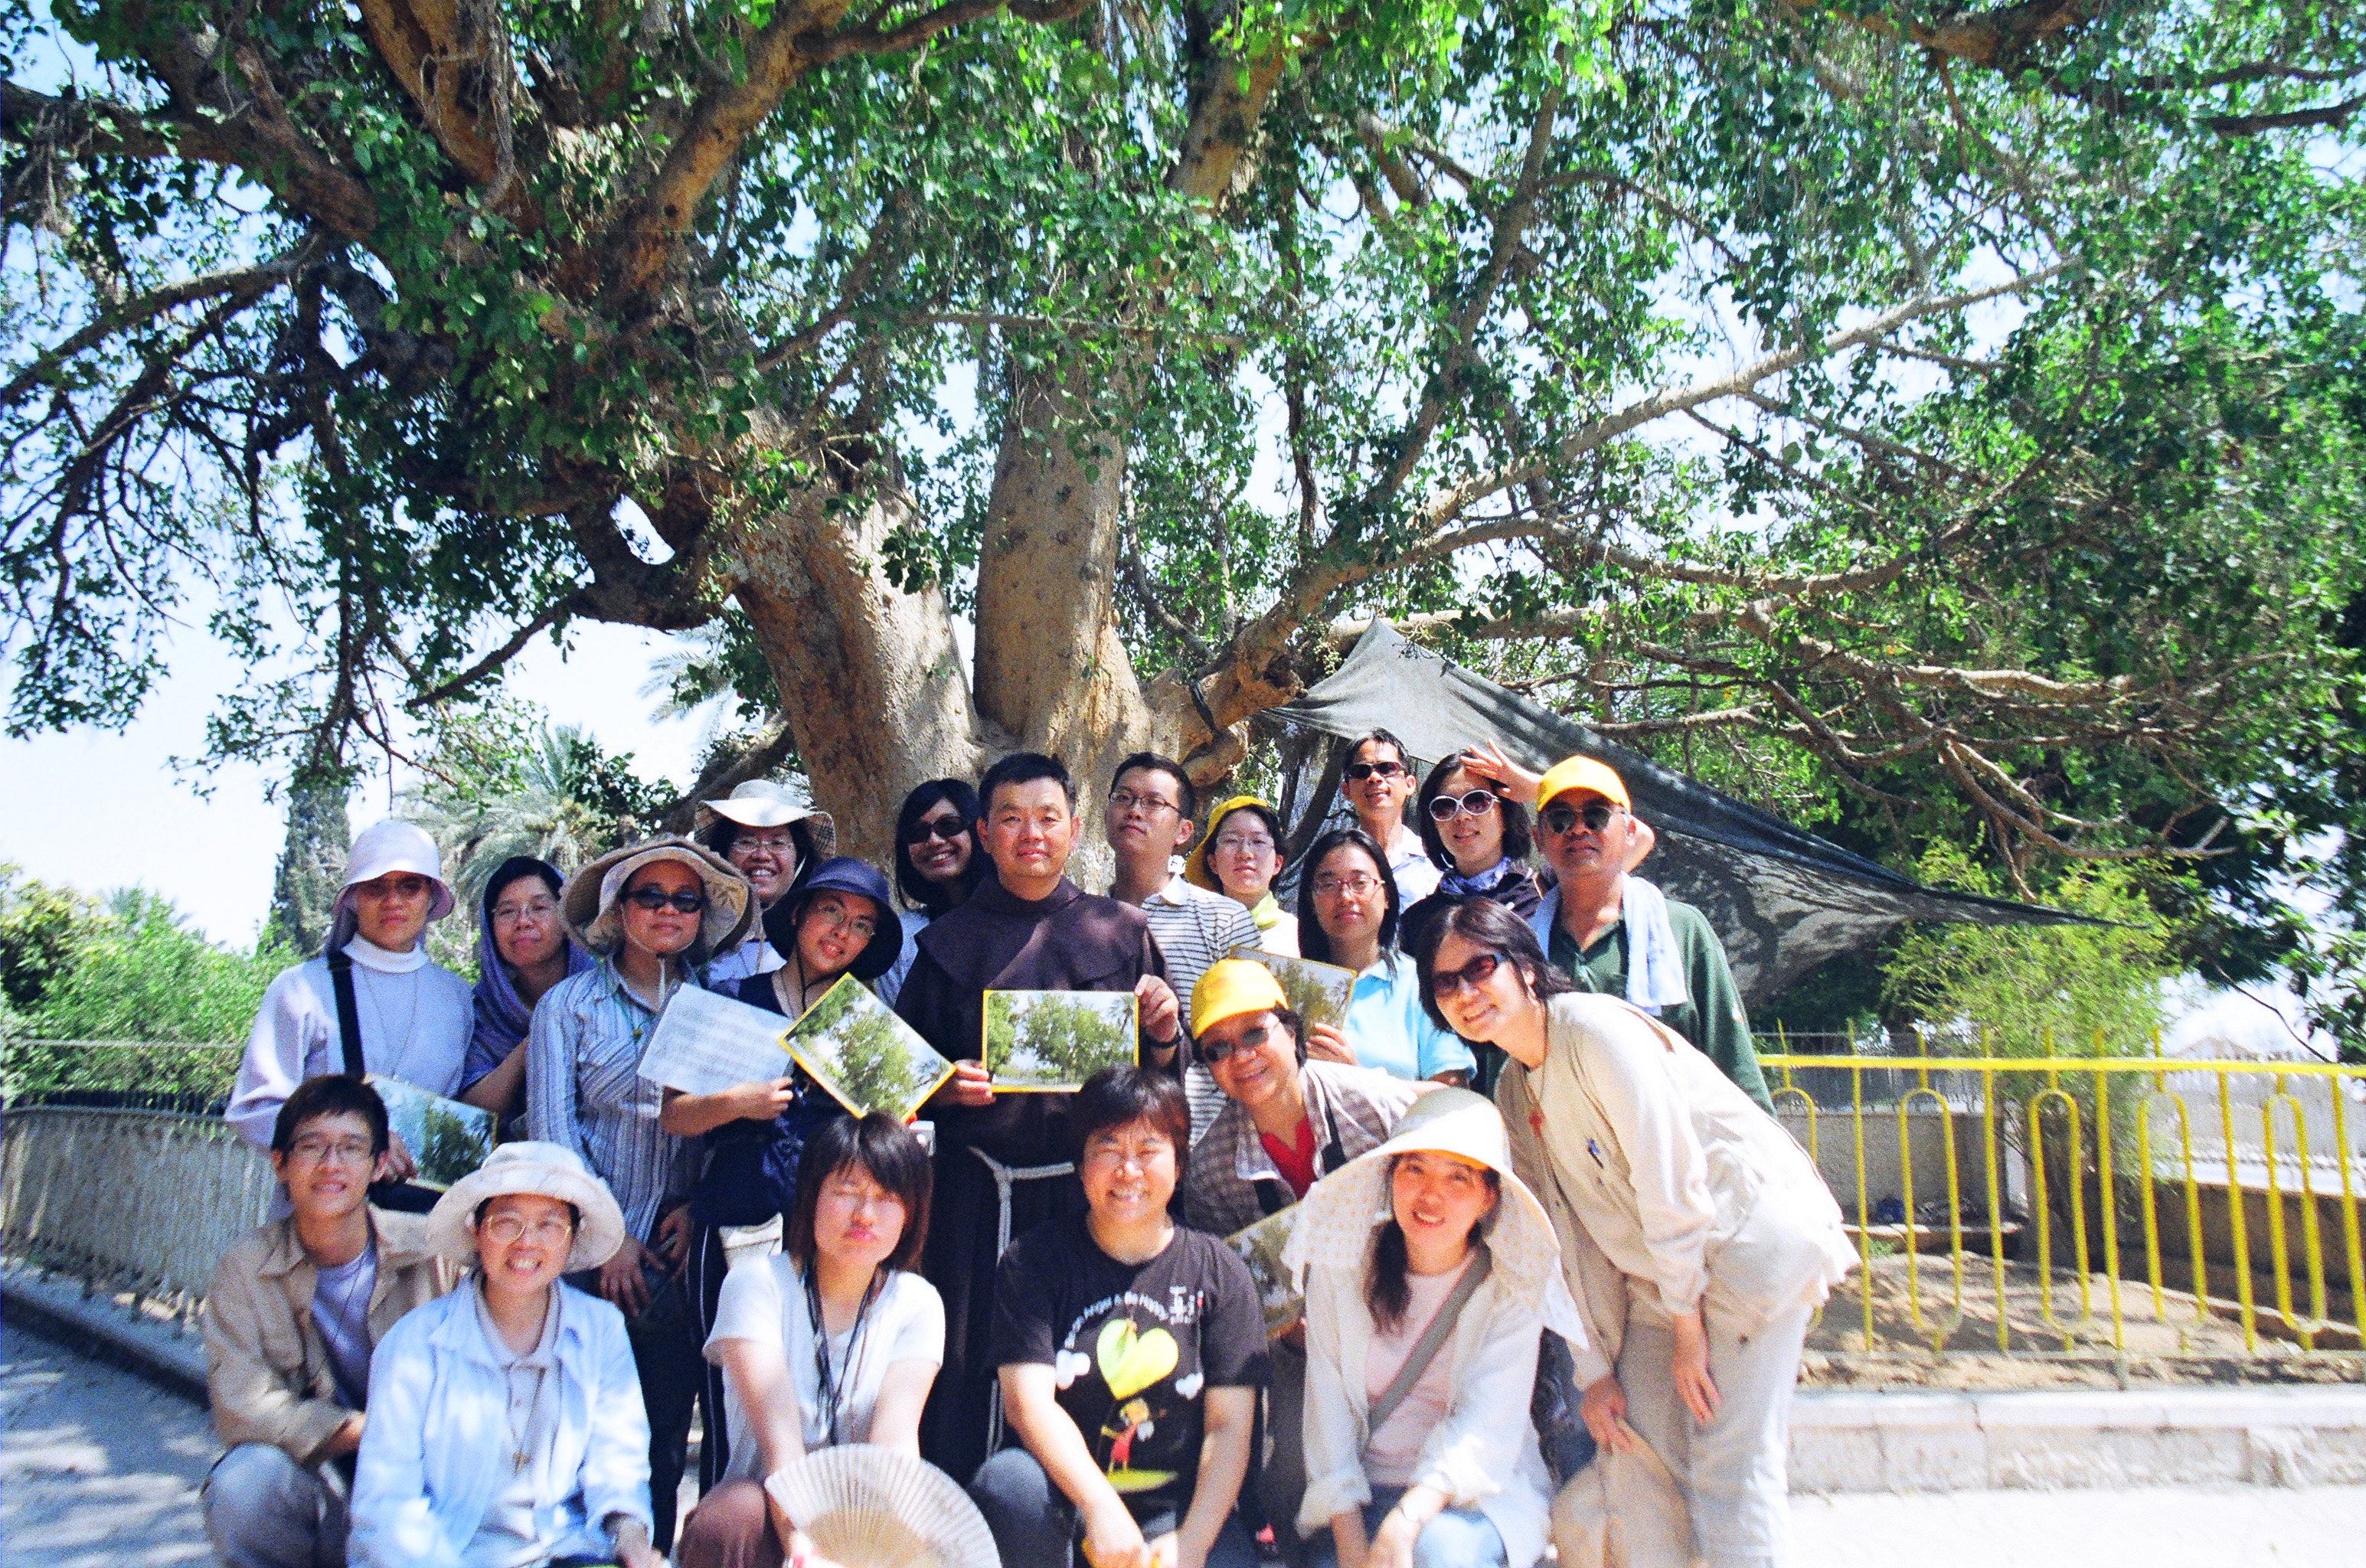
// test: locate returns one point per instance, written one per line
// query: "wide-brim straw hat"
(761, 803)
(1195, 865)
(589, 904)
(841, 873)
(1340, 1214)
(539, 1170)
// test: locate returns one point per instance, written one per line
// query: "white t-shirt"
(766, 1302)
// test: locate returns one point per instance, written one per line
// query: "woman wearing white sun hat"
(1431, 1272)
(506, 1427)
(412, 1016)
(774, 840)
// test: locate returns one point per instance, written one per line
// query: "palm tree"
(569, 803)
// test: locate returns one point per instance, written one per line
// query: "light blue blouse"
(1388, 1030)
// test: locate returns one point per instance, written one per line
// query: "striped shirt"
(1195, 928)
(584, 1091)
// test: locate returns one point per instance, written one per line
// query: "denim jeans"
(1034, 1524)
(1459, 1538)
(263, 1510)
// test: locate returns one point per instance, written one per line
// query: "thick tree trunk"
(1051, 671)
(869, 675)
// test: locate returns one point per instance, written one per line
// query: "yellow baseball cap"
(1582, 773)
(1230, 987)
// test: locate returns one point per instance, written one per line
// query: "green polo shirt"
(1712, 1016)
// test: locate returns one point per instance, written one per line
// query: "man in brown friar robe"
(1027, 928)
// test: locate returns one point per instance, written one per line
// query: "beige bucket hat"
(761, 803)
(1338, 1216)
(541, 1170)
(588, 905)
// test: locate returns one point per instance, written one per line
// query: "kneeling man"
(294, 1310)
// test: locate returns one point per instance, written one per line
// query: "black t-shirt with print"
(1131, 1347)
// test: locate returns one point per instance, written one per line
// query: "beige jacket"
(267, 1367)
(1669, 1189)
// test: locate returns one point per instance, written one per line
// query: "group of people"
(1041, 1302)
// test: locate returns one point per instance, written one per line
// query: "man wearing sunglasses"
(1286, 1123)
(1376, 781)
(1614, 932)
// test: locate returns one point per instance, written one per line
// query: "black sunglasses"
(1214, 1051)
(927, 828)
(1477, 803)
(650, 898)
(1444, 983)
(1362, 771)
(1558, 820)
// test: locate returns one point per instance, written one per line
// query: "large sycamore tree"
(1959, 403)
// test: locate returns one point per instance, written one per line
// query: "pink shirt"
(1393, 1453)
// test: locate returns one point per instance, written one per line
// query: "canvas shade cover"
(1782, 899)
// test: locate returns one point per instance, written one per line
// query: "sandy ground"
(2073, 1350)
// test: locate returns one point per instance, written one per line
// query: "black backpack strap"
(349, 1017)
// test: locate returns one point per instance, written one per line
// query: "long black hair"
(1518, 840)
(1387, 1291)
(918, 892)
(1482, 922)
(1313, 941)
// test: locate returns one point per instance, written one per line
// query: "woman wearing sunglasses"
(1348, 915)
(652, 914)
(1695, 1231)
(937, 865)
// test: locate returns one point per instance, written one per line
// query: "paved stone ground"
(99, 1468)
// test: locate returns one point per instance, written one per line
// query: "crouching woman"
(1420, 1347)
(506, 1427)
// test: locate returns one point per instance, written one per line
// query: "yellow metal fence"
(2100, 1201)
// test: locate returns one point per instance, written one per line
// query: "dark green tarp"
(1783, 899)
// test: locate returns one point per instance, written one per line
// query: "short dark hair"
(1404, 757)
(1313, 941)
(516, 869)
(1119, 1096)
(917, 891)
(1024, 767)
(1152, 762)
(1518, 840)
(886, 1149)
(1482, 922)
(337, 1094)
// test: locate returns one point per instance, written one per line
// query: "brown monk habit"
(1072, 940)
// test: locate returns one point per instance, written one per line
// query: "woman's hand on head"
(1324, 1044)
(1602, 1408)
(1488, 762)
(1688, 1364)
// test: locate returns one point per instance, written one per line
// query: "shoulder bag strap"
(1425, 1349)
(349, 1018)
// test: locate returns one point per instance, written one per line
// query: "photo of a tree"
(446, 1139)
(863, 1054)
(1055, 1040)
(1318, 992)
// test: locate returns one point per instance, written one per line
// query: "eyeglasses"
(1477, 803)
(650, 898)
(1557, 819)
(1121, 803)
(1251, 1039)
(837, 918)
(778, 844)
(1360, 771)
(1227, 844)
(508, 1229)
(1356, 887)
(946, 827)
(510, 914)
(317, 1150)
(1444, 983)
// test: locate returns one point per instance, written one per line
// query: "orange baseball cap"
(1585, 773)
